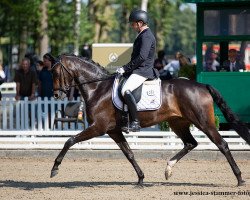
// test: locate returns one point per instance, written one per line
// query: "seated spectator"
(233, 64)
(26, 80)
(212, 64)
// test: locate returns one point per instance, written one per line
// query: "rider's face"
(135, 26)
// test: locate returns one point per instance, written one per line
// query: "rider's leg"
(131, 103)
(133, 82)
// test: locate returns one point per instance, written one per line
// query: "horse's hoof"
(53, 173)
(241, 183)
(168, 172)
(139, 185)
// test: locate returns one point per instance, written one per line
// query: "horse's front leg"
(118, 137)
(87, 134)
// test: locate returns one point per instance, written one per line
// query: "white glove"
(120, 70)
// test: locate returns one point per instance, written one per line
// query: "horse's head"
(62, 77)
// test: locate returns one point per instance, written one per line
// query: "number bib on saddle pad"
(151, 97)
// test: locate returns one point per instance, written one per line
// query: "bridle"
(67, 87)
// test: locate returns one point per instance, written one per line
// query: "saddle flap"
(150, 95)
(136, 93)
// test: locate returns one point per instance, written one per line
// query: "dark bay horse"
(184, 103)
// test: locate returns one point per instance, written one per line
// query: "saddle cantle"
(148, 96)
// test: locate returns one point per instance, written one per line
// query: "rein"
(67, 87)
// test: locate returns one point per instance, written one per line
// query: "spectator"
(33, 60)
(39, 67)
(172, 68)
(26, 80)
(45, 84)
(161, 61)
(86, 51)
(212, 64)
(233, 64)
(2, 78)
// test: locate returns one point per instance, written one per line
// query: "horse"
(184, 102)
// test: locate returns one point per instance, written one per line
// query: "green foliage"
(161, 14)
(217, 121)
(164, 126)
(101, 21)
(17, 15)
(183, 32)
(60, 25)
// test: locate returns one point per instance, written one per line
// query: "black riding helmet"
(138, 15)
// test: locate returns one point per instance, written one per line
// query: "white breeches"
(133, 82)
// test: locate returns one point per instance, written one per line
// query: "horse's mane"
(87, 61)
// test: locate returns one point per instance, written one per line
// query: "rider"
(141, 66)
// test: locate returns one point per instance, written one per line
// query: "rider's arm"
(143, 48)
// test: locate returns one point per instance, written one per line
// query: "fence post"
(18, 122)
(11, 113)
(26, 106)
(39, 114)
(33, 105)
(4, 114)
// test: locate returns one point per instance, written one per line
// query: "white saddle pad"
(151, 98)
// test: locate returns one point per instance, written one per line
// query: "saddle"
(136, 93)
(148, 96)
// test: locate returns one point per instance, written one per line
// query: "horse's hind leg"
(216, 138)
(120, 140)
(181, 128)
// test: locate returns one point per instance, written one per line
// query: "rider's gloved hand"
(120, 70)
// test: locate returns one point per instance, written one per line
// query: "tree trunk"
(144, 5)
(44, 39)
(23, 43)
(77, 26)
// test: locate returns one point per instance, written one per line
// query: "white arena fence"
(32, 115)
(150, 140)
(28, 125)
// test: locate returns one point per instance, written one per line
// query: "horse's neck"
(90, 90)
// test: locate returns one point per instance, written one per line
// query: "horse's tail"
(236, 124)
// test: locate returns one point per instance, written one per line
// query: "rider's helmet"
(138, 15)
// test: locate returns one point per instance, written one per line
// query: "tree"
(183, 32)
(43, 36)
(77, 6)
(161, 13)
(61, 26)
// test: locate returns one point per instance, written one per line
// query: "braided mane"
(88, 61)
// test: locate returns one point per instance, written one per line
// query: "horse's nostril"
(56, 96)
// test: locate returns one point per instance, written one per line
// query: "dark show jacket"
(142, 57)
(237, 67)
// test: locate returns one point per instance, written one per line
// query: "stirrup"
(125, 129)
(135, 126)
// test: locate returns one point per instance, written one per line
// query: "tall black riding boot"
(129, 99)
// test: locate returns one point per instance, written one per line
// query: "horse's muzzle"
(59, 95)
